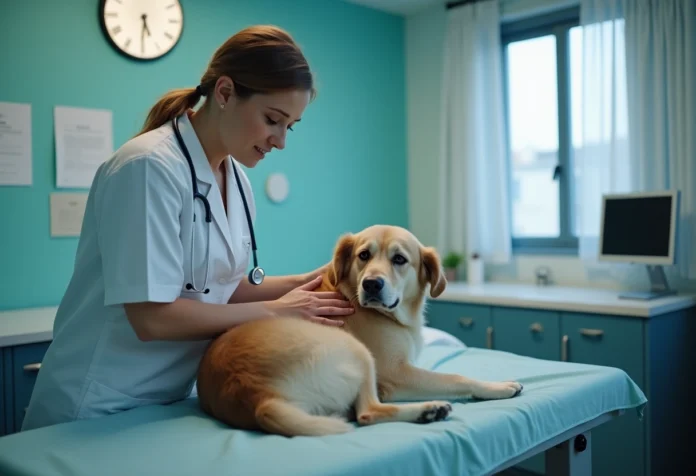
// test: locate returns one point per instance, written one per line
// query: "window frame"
(557, 23)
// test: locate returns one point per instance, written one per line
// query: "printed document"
(84, 140)
(67, 213)
(15, 144)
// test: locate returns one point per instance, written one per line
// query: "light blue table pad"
(480, 435)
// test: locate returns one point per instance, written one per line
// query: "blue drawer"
(530, 332)
(26, 362)
(471, 323)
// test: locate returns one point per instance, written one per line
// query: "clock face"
(142, 29)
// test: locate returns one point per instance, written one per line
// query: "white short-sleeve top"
(140, 242)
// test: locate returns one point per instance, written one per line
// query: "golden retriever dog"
(293, 377)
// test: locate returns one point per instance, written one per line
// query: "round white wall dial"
(142, 29)
(277, 187)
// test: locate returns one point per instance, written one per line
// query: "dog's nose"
(373, 285)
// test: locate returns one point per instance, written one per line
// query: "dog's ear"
(340, 265)
(431, 271)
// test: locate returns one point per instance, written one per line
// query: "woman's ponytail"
(169, 106)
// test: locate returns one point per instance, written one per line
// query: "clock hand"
(142, 34)
(145, 24)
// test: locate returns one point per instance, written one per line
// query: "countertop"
(26, 326)
(561, 298)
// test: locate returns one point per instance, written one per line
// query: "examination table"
(560, 404)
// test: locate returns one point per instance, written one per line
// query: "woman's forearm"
(186, 319)
(272, 288)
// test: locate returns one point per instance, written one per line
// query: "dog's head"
(387, 269)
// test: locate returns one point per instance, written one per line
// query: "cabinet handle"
(592, 332)
(466, 321)
(32, 367)
(564, 349)
(536, 327)
(489, 337)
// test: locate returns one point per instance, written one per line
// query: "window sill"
(544, 251)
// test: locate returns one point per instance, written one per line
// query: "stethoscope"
(257, 274)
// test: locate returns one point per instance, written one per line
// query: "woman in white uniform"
(161, 265)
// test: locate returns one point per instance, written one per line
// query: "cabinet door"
(618, 447)
(471, 323)
(612, 341)
(7, 394)
(26, 361)
(3, 431)
(531, 332)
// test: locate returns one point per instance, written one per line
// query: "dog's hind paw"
(434, 411)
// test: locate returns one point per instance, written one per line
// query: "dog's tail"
(280, 417)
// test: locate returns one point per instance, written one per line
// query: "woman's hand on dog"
(312, 305)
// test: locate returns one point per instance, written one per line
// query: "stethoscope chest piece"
(256, 275)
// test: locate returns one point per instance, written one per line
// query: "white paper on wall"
(67, 212)
(15, 144)
(84, 140)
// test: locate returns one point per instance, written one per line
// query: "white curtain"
(636, 113)
(474, 216)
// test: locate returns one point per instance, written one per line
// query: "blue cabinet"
(20, 365)
(2, 396)
(655, 351)
(469, 323)
(26, 362)
(615, 342)
(531, 332)
(7, 393)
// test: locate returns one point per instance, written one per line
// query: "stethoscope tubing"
(256, 275)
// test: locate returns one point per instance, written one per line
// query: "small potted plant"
(451, 262)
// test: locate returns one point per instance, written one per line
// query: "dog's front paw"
(498, 390)
(434, 411)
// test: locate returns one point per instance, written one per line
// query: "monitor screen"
(638, 226)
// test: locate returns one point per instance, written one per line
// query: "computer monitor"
(641, 228)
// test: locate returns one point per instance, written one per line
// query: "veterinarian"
(161, 265)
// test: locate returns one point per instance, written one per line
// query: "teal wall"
(352, 137)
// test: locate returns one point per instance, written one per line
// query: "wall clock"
(142, 29)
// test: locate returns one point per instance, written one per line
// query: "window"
(541, 65)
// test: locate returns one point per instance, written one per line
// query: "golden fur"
(291, 377)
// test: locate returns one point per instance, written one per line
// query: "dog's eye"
(398, 259)
(364, 255)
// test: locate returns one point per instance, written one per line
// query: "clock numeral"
(116, 30)
(171, 6)
(168, 35)
(111, 14)
(127, 44)
(173, 21)
(157, 45)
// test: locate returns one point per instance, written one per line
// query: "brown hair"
(259, 59)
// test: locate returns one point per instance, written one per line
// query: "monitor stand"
(659, 287)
